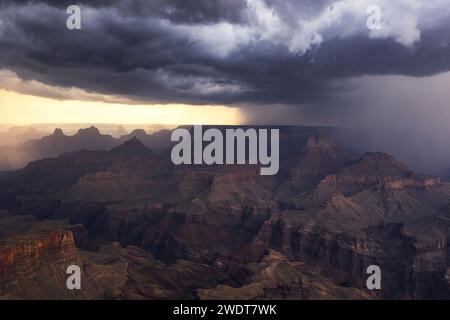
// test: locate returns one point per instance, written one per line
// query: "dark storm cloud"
(180, 11)
(246, 52)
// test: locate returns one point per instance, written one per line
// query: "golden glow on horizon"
(26, 109)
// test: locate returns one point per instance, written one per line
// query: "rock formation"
(309, 232)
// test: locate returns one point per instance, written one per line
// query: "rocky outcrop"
(376, 170)
(24, 253)
(344, 258)
(33, 265)
(320, 156)
(147, 278)
(275, 277)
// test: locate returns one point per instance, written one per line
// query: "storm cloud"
(245, 52)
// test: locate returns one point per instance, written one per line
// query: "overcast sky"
(290, 61)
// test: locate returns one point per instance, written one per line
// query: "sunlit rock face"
(34, 265)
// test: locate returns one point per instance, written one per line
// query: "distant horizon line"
(82, 123)
(127, 124)
(164, 124)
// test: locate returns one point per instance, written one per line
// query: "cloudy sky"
(261, 61)
(220, 51)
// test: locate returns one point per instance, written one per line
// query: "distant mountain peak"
(138, 132)
(132, 146)
(121, 131)
(380, 163)
(320, 140)
(89, 131)
(58, 132)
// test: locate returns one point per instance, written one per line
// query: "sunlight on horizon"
(20, 108)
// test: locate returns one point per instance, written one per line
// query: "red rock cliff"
(27, 252)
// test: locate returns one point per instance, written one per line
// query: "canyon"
(141, 227)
